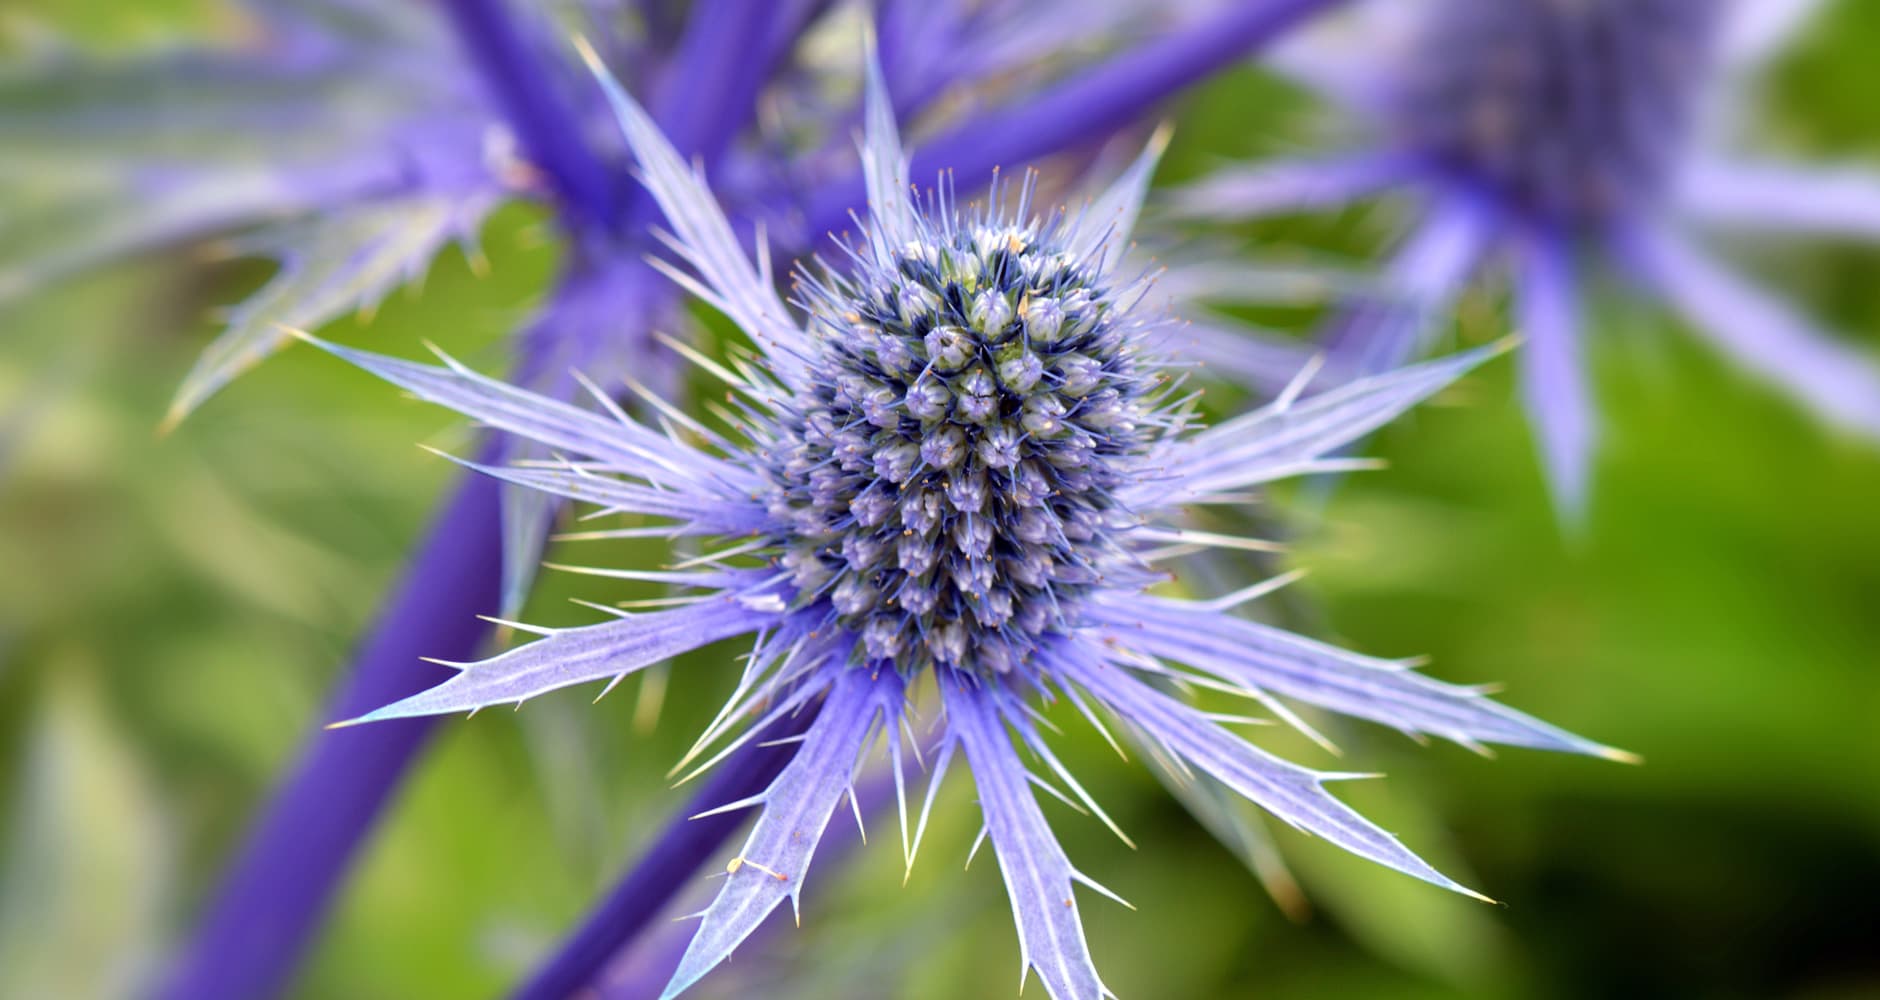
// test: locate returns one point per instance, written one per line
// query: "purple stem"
(667, 866)
(1089, 105)
(704, 99)
(278, 890)
(549, 131)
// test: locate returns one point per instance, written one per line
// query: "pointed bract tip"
(1350, 775)
(1159, 139)
(591, 58)
(172, 417)
(1472, 894)
(299, 334)
(1619, 756)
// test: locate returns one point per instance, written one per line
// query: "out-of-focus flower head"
(961, 463)
(347, 141)
(1562, 135)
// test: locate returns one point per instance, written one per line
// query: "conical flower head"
(1570, 109)
(949, 474)
(963, 467)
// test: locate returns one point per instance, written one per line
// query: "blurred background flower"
(174, 614)
(1565, 143)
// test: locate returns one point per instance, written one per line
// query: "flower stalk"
(548, 130)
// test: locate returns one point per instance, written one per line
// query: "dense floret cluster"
(949, 478)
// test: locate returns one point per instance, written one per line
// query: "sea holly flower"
(959, 463)
(277, 886)
(1561, 138)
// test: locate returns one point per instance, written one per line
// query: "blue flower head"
(1560, 136)
(1570, 113)
(964, 466)
(950, 480)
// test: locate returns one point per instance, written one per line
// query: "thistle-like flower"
(1566, 134)
(965, 467)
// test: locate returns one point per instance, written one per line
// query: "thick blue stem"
(667, 866)
(1089, 105)
(550, 133)
(276, 893)
(271, 900)
(704, 98)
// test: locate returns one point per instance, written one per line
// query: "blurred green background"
(173, 609)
